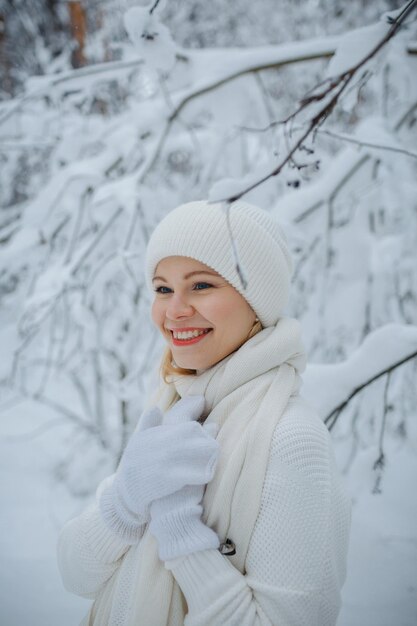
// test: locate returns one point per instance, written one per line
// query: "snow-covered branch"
(333, 385)
(329, 93)
(301, 203)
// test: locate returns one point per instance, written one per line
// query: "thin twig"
(305, 257)
(380, 461)
(152, 9)
(77, 224)
(91, 245)
(366, 144)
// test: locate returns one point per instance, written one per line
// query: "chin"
(192, 364)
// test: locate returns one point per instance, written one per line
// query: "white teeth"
(189, 334)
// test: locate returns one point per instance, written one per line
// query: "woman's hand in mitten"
(176, 520)
(114, 511)
(160, 458)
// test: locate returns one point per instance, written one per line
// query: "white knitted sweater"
(296, 562)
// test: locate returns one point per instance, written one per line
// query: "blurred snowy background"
(101, 134)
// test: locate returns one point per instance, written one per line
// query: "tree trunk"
(4, 66)
(78, 32)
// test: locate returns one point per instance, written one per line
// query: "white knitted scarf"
(246, 393)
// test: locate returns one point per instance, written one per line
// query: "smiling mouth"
(189, 340)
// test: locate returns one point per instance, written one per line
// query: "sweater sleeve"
(89, 550)
(296, 562)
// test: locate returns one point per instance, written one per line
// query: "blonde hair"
(168, 369)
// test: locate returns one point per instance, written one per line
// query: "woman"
(227, 507)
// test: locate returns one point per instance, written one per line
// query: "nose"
(178, 307)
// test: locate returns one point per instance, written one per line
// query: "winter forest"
(114, 112)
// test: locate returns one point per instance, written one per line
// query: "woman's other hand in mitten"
(176, 519)
(165, 453)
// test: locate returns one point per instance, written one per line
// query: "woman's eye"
(196, 287)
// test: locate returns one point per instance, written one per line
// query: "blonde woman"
(227, 507)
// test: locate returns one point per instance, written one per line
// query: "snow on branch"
(39, 86)
(151, 39)
(207, 64)
(381, 352)
(218, 66)
(320, 101)
(300, 203)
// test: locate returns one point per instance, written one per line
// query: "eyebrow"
(186, 275)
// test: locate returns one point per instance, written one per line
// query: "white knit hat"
(199, 230)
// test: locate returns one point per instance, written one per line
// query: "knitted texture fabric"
(176, 518)
(275, 493)
(199, 230)
(158, 461)
(296, 562)
(246, 395)
(294, 573)
(176, 524)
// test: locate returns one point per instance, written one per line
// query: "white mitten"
(159, 459)
(176, 520)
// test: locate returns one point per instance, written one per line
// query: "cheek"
(236, 317)
(223, 312)
(157, 313)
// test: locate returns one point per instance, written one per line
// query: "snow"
(375, 131)
(213, 67)
(83, 204)
(230, 187)
(31, 591)
(151, 39)
(382, 565)
(383, 546)
(297, 204)
(354, 46)
(380, 350)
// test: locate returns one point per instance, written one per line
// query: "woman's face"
(191, 298)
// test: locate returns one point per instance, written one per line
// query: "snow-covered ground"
(31, 592)
(381, 587)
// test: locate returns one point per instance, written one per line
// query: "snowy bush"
(92, 159)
